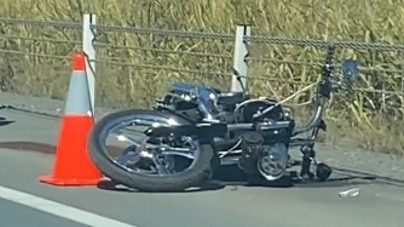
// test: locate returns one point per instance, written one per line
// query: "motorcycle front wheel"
(149, 164)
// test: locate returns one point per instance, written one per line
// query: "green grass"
(365, 119)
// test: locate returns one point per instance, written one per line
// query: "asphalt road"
(17, 215)
(378, 204)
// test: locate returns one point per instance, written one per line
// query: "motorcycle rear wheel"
(199, 170)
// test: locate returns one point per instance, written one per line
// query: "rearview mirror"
(350, 69)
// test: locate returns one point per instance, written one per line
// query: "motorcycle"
(194, 130)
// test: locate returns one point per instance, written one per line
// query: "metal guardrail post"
(89, 21)
(240, 66)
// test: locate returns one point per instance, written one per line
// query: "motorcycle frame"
(313, 126)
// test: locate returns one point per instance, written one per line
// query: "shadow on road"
(4, 121)
(231, 176)
(29, 146)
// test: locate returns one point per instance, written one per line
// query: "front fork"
(309, 154)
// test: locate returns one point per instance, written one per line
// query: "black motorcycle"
(195, 129)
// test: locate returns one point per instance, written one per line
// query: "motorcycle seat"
(231, 98)
(188, 88)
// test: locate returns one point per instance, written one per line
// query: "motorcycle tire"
(194, 176)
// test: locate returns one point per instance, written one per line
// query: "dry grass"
(366, 119)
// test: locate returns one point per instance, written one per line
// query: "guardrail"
(272, 65)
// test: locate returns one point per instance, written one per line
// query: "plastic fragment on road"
(349, 193)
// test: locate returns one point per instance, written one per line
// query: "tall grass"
(368, 119)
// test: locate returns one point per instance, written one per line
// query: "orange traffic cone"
(73, 166)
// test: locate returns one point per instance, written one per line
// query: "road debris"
(233, 187)
(349, 193)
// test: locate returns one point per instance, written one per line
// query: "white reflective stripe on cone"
(78, 98)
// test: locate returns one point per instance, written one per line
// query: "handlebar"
(323, 92)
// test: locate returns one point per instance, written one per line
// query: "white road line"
(58, 209)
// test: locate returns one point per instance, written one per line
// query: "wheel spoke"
(151, 156)
(161, 169)
(128, 158)
(172, 151)
(124, 138)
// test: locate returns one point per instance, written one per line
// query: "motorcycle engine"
(246, 111)
(268, 160)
